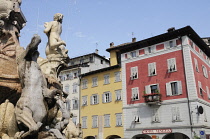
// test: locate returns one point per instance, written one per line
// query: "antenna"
(96, 45)
(37, 21)
(132, 34)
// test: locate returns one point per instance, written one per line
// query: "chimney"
(111, 44)
(134, 39)
(96, 51)
(171, 29)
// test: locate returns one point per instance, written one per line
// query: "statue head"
(58, 17)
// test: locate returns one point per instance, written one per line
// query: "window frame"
(169, 88)
(117, 94)
(84, 100)
(84, 122)
(134, 73)
(107, 79)
(205, 71)
(152, 66)
(135, 94)
(75, 106)
(117, 76)
(171, 62)
(107, 120)
(84, 84)
(92, 100)
(118, 117)
(104, 97)
(95, 121)
(94, 81)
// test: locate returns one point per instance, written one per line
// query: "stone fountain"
(32, 103)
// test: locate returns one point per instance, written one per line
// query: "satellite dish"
(200, 109)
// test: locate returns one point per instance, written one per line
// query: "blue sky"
(91, 24)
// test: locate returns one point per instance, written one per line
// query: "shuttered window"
(174, 88)
(135, 93)
(171, 65)
(152, 69)
(134, 73)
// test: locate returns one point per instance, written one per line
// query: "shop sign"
(156, 131)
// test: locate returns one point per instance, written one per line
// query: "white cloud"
(79, 34)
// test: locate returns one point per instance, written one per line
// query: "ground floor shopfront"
(168, 133)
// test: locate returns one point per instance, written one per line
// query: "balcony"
(152, 99)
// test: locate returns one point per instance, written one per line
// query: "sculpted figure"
(31, 108)
(55, 46)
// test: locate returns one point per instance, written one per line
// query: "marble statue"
(31, 108)
(53, 30)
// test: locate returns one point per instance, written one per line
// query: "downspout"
(188, 101)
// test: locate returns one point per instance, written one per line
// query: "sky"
(94, 24)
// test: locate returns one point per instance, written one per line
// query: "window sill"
(107, 126)
(156, 121)
(94, 86)
(174, 121)
(118, 125)
(152, 75)
(106, 83)
(173, 95)
(118, 81)
(172, 71)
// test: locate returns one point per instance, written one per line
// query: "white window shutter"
(169, 64)
(91, 100)
(103, 97)
(178, 114)
(146, 50)
(196, 65)
(174, 63)
(97, 99)
(179, 83)
(199, 84)
(150, 69)
(136, 71)
(207, 90)
(173, 113)
(137, 92)
(147, 89)
(154, 67)
(110, 97)
(168, 89)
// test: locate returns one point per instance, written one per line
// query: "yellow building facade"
(101, 103)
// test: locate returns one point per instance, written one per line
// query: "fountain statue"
(32, 103)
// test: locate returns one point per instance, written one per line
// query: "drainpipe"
(188, 101)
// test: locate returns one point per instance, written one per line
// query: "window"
(118, 119)
(95, 121)
(94, 99)
(84, 100)
(208, 93)
(118, 95)
(171, 64)
(107, 120)
(205, 72)
(171, 44)
(200, 88)
(91, 59)
(102, 61)
(134, 73)
(106, 79)
(150, 49)
(196, 65)
(75, 74)
(155, 116)
(136, 117)
(84, 122)
(74, 87)
(152, 69)
(107, 97)
(84, 83)
(133, 54)
(117, 76)
(135, 93)
(151, 89)
(75, 104)
(66, 88)
(74, 120)
(174, 88)
(176, 114)
(94, 81)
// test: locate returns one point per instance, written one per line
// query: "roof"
(102, 57)
(100, 70)
(164, 37)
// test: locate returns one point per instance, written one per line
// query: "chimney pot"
(134, 39)
(171, 29)
(111, 44)
(96, 51)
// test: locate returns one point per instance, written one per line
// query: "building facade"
(101, 102)
(70, 80)
(165, 80)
